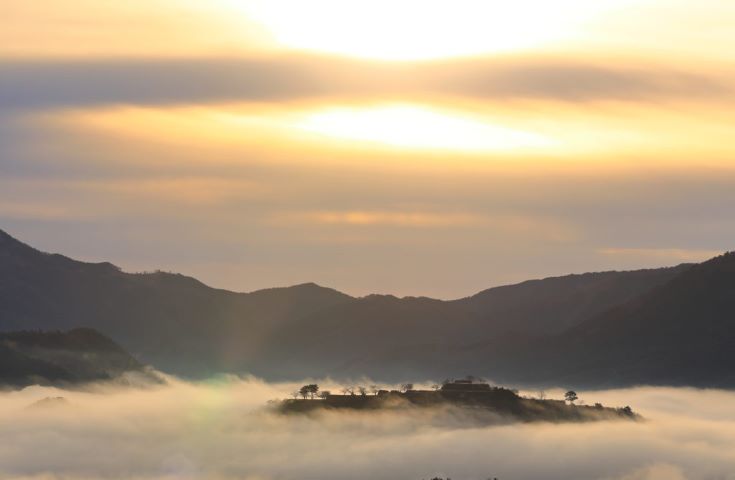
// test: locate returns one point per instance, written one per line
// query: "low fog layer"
(221, 430)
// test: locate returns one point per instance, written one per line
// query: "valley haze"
(220, 430)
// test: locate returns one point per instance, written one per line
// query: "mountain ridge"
(183, 326)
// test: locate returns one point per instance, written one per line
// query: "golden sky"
(407, 147)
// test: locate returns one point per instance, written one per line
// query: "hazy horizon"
(359, 294)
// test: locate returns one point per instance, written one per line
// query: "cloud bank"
(220, 430)
(40, 84)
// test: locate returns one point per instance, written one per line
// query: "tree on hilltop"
(309, 390)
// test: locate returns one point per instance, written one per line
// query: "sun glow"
(420, 29)
(409, 126)
(401, 127)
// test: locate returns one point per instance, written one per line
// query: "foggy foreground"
(221, 430)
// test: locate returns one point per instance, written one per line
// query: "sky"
(412, 147)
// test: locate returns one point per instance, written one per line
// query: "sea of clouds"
(221, 429)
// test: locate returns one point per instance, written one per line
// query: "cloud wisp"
(42, 84)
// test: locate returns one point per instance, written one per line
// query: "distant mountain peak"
(301, 289)
(726, 259)
(306, 286)
(8, 241)
(11, 246)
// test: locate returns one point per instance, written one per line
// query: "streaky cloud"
(41, 84)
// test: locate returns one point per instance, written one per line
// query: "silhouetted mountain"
(565, 329)
(77, 356)
(555, 304)
(399, 338)
(171, 321)
(681, 333)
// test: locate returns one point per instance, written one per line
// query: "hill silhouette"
(477, 401)
(60, 358)
(681, 333)
(593, 329)
(172, 321)
(678, 333)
